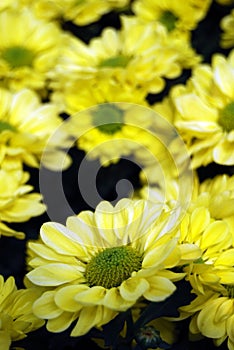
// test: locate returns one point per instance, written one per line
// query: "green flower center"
(18, 56)
(6, 126)
(116, 61)
(226, 117)
(230, 290)
(112, 266)
(168, 19)
(108, 118)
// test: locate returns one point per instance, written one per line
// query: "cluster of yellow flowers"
(119, 257)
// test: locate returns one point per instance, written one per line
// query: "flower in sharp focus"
(227, 36)
(101, 263)
(16, 203)
(28, 49)
(204, 114)
(26, 126)
(16, 316)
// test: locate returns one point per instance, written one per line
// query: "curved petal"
(65, 297)
(133, 288)
(91, 296)
(45, 306)
(61, 323)
(160, 288)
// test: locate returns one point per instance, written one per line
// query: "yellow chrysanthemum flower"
(227, 25)
(25, 128)
(217, 195)
(204, 112)
(16, 316)
(92, 93)
(28, 49)
(16, 203)
(109, 131)
(213, 312)
(101, 263)
(80, 12)
(138, 55)
(173, 14)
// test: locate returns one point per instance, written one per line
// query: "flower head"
(26, 126)
(16, 203)
(101, 263)
(28, 49)
(204, 112)
(16, 316)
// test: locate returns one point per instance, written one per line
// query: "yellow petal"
(133, 288)
(65, 297)
(54, 274)
(224, 311)
(45, 306)
(61, 323)
(91, 296)
(5, 340)
(215, 233)
(160, 289)
(113, 300)
(88, 318)
(206, 320)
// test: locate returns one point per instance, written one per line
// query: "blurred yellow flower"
(16, 316)
(28, 49)
(101, 263)
(81, 12)
(138, 55)
(227, 36)
(204, 112)
(26, 126)
(16, 203)
(173, 14)
(225, 2)
(109, 131)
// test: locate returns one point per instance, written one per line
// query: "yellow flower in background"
(79, 95)
(109, 131)
(16, 203)
(217, 195)
(16, 316)
(29, 48)
(173, 14)
(101, 263)
(81, 12)
(137, 55)
(204, 113)
(227, 25)
(213, 311)
(26, 125)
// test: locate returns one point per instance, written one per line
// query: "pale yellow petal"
(65, 297)
(45, 306)
(88, 318)
(160, 289)
(113, 300)
(61, 323)
(54, 274)
(133, 288)
(91, 296)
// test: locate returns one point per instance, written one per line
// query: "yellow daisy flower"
(16, 316)
(213, 312)
(101, 263)
(137, 55)
(16, 203)
(92, 93)
(227, 25)
(173, 14)
(28, 49)
(217, 195)
(26, 126)
(80, 12)
(110, 131)
(204, 112)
